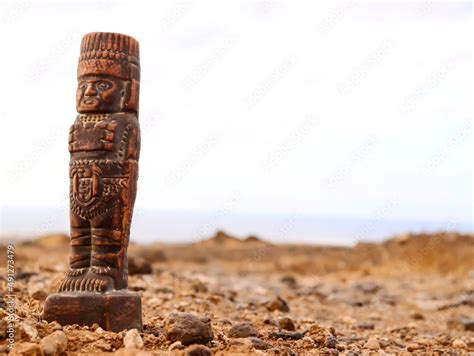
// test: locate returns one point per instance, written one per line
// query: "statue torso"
(104, 157)
(104, 136)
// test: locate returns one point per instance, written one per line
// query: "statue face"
(101, 94)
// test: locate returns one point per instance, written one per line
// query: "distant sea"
(176, 227)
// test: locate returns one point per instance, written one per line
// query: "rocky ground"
(410, 294)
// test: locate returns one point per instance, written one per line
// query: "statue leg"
(106, 247)
(80, 259)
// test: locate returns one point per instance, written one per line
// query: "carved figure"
(104, 145)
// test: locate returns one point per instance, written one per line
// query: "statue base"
(113, 311)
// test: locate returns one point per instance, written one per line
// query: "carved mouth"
(90, 101)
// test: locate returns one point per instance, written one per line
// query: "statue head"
(108, 73)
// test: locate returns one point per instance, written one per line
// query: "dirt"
(409, 294)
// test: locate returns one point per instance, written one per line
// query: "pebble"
(468, 324)
(331, 342)
(461, 323)
(417, 316)
(290, 281)
(245, 329)
(368, 287)
(425, 342)
(138, 265)
(27, 331)
(55, 326)
(198, 350)
(372, 343)
(287, 335)
(279, 304)
(374, 316)
(188, 328)
(459, 344)
(413, 346)
(366, 326)
(25, 275)
(307, 342)
(198, 286)
(26, 349)
(99, 330)
(177, 345)
(40, 295)
(286, 323)
(259, 344)
(55, 343)
(133, 340)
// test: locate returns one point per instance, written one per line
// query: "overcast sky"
(334, 109)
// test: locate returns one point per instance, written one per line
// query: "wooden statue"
(104, 143)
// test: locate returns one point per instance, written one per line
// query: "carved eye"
(82, 86)
(103, 85)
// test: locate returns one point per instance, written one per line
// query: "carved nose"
(90, 90)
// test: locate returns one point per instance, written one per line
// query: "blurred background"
(333, 122)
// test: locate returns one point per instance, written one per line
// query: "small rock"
(461, 323)
(425, 342)
(270, 321)
(133, 340)
(24, 275)
(26, 349)
(290, 281)
(177, 345)
(279, 304)
(459, 344)
(308, 342)
(198, 350)
(368, 287)
(55, 343)
(417, 316)
(374, 316)
(468, 324)
(188, 328)
(259, 344)
(55, 326)
(351, 339)
(467, 300)
(287, 335)
(331, 342)
(243, 330)
(372, 344)
(413, 346)
(199, 286)
(138, 265)
(99, 330)
(366, 326)
(40, 295)
(27, 331)
(286, 323)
